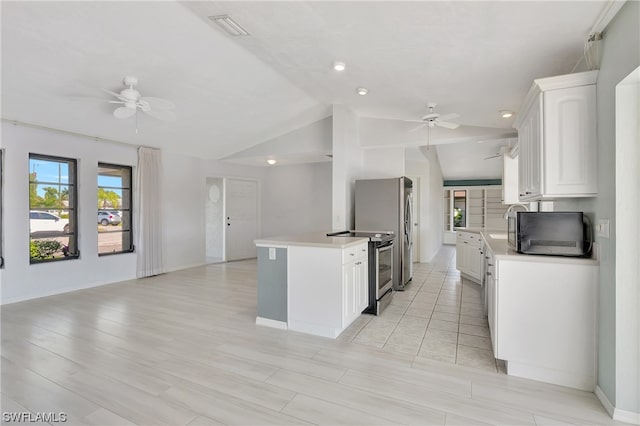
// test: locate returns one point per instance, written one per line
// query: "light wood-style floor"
(183, 348)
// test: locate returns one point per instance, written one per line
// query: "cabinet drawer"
(354, 252)
(471, 238)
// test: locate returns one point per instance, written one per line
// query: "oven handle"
(385, 245)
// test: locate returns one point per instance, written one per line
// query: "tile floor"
(439, 317)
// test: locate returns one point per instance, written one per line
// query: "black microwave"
(548, 233)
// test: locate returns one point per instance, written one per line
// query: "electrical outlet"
(272, 253)
(602, 228)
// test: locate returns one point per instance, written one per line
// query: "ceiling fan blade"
(116, 102)
(414, 121)
(493, 156)
(158, 103)
(124, 112)
(418, 128)
(448, 117)
(447, 125)
(117, 95)
(163, 115)
(430, 116)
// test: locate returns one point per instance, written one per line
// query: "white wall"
(297, 199)
(628, 244)
(424, 164)
(620, 55)
(383, 163)
(21, 280)
(347, 166)
(214, 219)
(183, 206)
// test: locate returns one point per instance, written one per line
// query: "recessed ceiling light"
(339, 66)
(229, 25)
(362, 91)
(506, 114)
(271, 161)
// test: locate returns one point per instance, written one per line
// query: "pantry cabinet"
(557, 138)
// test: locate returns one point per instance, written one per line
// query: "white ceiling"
(473, 58)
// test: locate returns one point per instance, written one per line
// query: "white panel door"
(241, 208)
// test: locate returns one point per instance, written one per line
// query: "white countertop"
(310, 239)
(501, 250)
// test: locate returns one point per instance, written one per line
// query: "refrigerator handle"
(408, 221)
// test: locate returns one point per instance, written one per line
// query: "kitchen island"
(311, 282)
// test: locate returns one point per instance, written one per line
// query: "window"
(459, 209)
(114, 209)
(53, 207)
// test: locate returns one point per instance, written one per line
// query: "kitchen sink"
(498, 236)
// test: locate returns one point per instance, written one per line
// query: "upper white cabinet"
(557, 138)
(510, 179)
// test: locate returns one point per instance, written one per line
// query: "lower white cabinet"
(542, 318)
(327, 288)
(469, 255)
(355, 289)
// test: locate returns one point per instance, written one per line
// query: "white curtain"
(148, 226)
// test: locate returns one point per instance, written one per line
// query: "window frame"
(129, 169)
(72, 185)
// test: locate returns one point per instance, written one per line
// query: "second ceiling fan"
(433, 119)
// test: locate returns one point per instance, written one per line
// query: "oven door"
(384, 266)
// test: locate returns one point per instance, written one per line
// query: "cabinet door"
(461, 253)
(348, 292)
(363, 286)
(529, 160)
(570, 161)
(492, 303)
(474, 257)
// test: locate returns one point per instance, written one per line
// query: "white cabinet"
(355, 289)
(510, 194)
(328, 288)
(557, 138)
(469, 254)
(542, 317)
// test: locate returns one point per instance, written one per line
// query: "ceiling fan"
(132, 101)
(501, 152)
(433, 119)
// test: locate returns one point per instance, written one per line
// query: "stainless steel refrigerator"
(386, 205)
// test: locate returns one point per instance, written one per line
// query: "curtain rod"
(67, 132)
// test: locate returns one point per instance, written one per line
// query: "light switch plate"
(272, 253)
(602, 228)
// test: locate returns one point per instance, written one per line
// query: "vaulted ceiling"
(471, 57)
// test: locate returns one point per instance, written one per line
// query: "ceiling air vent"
(229, 25)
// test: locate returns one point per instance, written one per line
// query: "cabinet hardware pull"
(490, 264)
(528, 192)
(352, 254)
(488, 273)
(486, 257)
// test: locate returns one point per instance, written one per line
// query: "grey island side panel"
(272, 284)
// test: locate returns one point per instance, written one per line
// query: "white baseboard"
(626, 416)
(271, 323)
(616, 413)
(604, 400)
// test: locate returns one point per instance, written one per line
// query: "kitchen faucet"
(512, 206)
